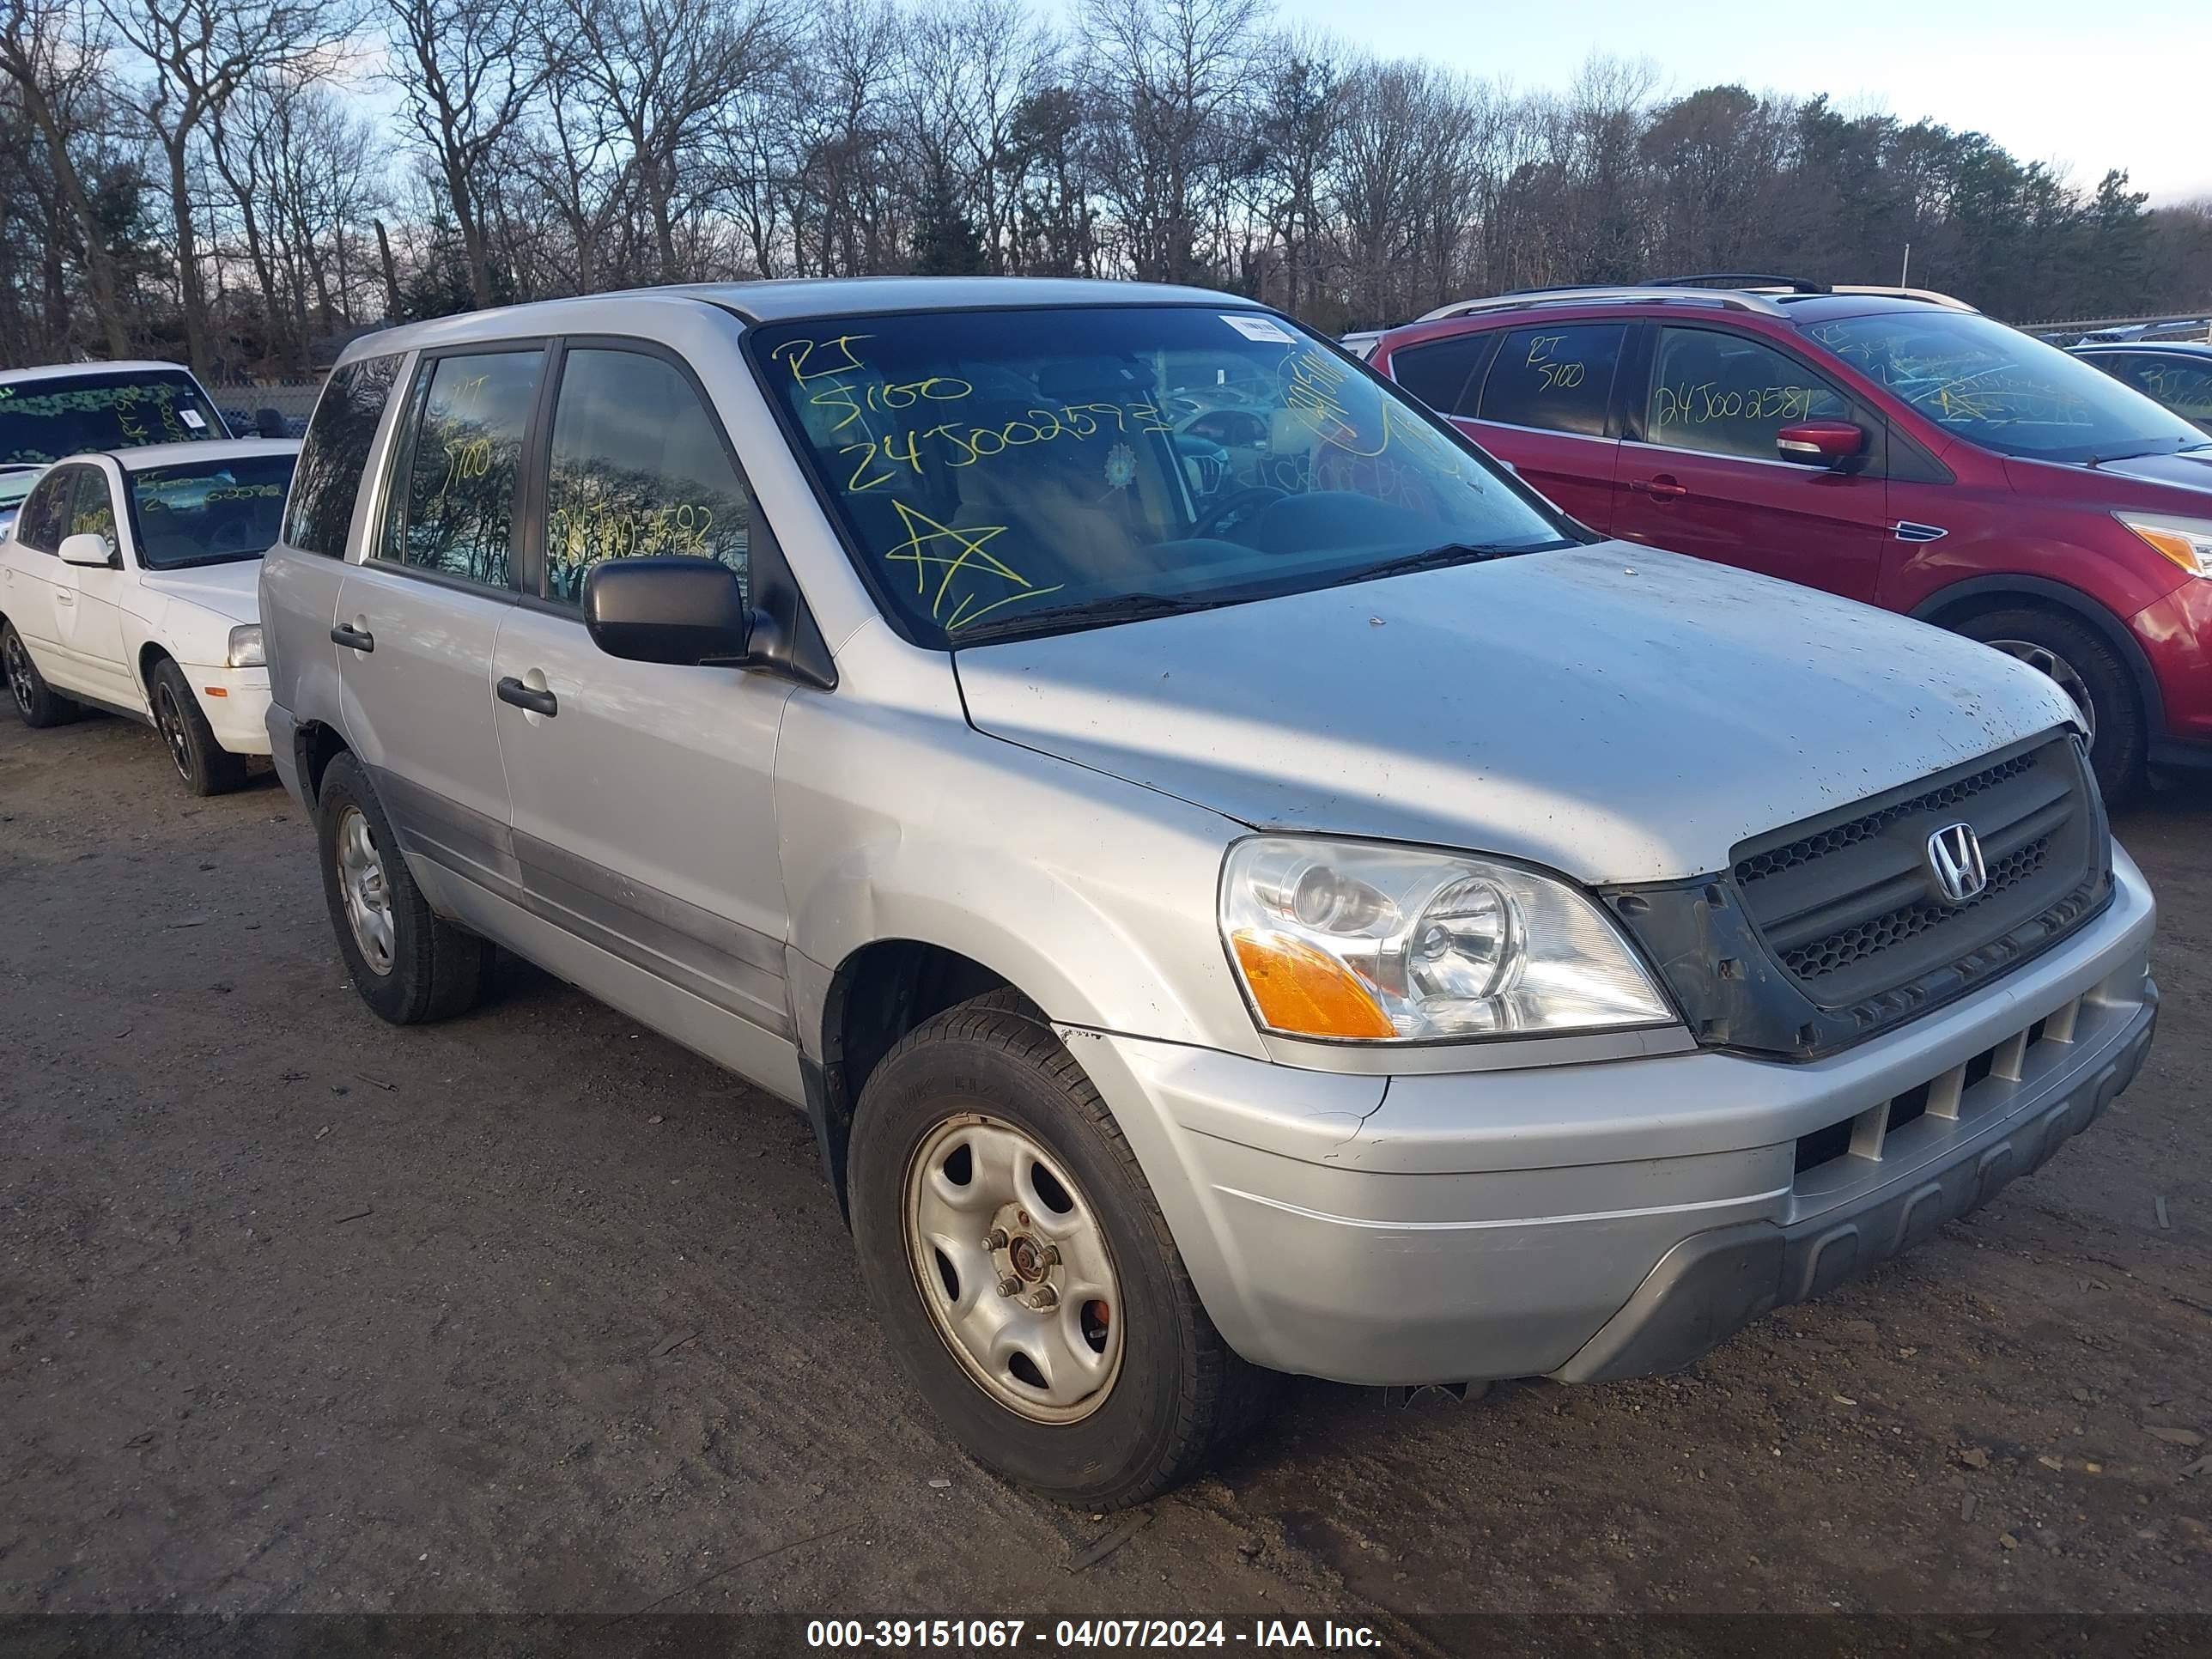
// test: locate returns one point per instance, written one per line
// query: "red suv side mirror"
(1821, 443)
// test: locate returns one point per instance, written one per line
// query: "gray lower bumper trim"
(1713, 1283)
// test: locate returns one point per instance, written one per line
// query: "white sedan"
(128, 583)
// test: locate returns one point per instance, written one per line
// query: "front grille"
(1819, 934)
(1839, 951)
(1849, 910)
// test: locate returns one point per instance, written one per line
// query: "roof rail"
(1570, 296)
(1751, 279)
(1928, 295)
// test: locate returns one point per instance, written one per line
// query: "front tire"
(38, 703)
(2091, 673)
(206, 767)
(409, 964)
(1023, 1271)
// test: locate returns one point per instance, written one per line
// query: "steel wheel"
(1013, 1269)
(19, 676)
(169, 720)
(2044, 660)
(368, 900)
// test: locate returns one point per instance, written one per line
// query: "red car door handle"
(1660, 489)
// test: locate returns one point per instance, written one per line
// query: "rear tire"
(409, 964)
(38, 704)
(2091, 673)
(206, 767)
(1150, 1409)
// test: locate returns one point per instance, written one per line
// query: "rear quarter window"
(327, 481)
(1443, 374)
(1557, 377)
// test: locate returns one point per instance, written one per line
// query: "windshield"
(1004, 471)
(1995, 386)
(206, 513)
(46, 419)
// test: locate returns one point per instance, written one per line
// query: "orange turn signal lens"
(1303, 992)
(2172, 542)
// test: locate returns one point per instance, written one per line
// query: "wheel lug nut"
(1046, 1297)
(995, 1239)
(1049, 1256)
(1009, 1285)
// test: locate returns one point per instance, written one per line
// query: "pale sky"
(2083, 87)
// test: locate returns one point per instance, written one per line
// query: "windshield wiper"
(1449, 553)
(1122, 607)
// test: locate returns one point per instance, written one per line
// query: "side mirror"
(1833, 444)
(269, 423)
(94, 551)
(670, 609)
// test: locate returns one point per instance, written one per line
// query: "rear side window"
(45, 518)
(1729, 394)
(1559, 377)
(638, 468)
(327, 481)
(1439, 373)
(453, 498)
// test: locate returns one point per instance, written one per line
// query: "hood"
(231, 590)
(2192, 468)
(15, 483)
(1612, 712)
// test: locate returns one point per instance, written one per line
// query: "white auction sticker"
(191, 417)
(1260, 328)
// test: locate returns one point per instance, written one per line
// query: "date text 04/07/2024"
(895, 1634)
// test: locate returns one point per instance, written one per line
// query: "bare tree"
(56, 63)
(199, 54)
(660, 68)
(468, 69)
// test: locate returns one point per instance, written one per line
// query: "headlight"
(1377, 944)
(245, 646)
(2187, 542)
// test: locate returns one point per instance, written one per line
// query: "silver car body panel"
(707, 849)
(1445, 707)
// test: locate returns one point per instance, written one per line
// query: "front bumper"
(1599, 1220)
(236, 703)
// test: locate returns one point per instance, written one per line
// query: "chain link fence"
(242, 404)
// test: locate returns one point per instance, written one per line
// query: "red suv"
(1892, 445)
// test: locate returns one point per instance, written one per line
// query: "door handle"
(1663, 487)
(354, 639)
(62, 596)
(513, 691)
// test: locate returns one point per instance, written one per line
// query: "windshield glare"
(44, 420)
(202, 514)
(1995, 386)
(992, 466)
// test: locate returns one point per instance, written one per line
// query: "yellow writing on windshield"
(952, 552)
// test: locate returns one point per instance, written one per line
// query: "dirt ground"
(534, 1311)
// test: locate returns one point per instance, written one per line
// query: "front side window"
(2183, 385)
(1995, 386)
(638, 467)
(205, 512)
(92, 509)
(1559, 377)
(1026, 470)
(1727, 394)
(327, 481)
(46, 419)
(453, 503)
(46, 512)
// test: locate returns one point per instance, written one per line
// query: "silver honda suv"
(1237, 883)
